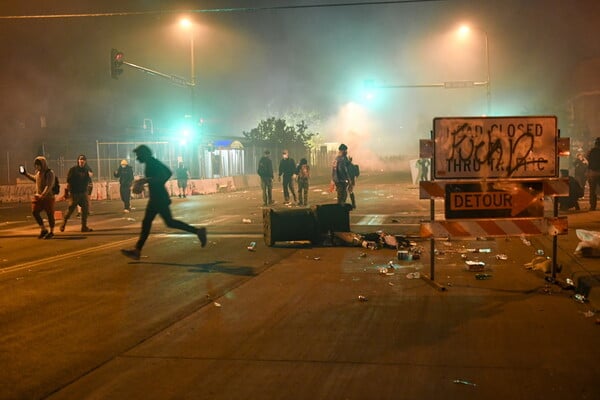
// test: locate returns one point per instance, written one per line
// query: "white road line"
(65, 256)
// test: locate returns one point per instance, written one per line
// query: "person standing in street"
(78, 181)
(593, 174)
(265, 171)
(287, 168)
(580, 166)
(182, 174)
(125, 175)
(303, 174)
(354, 171)
(156, 176)
(340, 174)
(43, 199)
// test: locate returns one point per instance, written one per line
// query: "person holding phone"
(43, 198)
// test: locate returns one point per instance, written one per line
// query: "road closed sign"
(495, 147)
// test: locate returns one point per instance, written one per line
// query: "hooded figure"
(43, 198)
(125, 175)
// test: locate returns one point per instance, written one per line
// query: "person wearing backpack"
(303, 173)
(43, 198)
(265, 171)
(354, 171)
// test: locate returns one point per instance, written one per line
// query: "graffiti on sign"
(503, 147)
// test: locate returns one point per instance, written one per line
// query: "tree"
(276, 130)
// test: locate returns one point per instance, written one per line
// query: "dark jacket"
(287, 167)
(157, 175)
(78, 179)
(340, 172)
(125, 175)
(265, 167)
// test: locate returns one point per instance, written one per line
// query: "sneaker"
(50, 235)
(133, 253)
(42, 234)
(86, 229)
(201, 233)
(63, 226)
(126, 211)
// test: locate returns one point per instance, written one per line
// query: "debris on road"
(463, 382)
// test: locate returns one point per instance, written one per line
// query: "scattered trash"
(475, 265)
(217, 304)
(589, 246)
(252, 246)
(362, 298)
(501, 257)
(540, 252)
(479, 250)
(362, 255)
(316, 258)
(589, 314)
(540, 264)
(413, 275)
(570, 282)
(482, 277)
(463, 382)
(525, 241)
(369, 245)
(246, 221)
(579, 298)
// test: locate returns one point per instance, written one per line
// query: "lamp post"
(464, 30)
(187, 24)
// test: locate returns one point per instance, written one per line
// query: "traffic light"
(116, 63)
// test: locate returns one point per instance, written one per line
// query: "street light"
(188, 25)
(463, 31)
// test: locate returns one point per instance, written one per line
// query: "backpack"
(56, 186)
(354, 170)
(304, 171)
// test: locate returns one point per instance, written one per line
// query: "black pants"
(165, 212)
(126, 196)
(288, 187)
(81, 200)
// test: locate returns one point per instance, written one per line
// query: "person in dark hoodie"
(287, 168)
(78, 181)
(43, 199)
(156, 175)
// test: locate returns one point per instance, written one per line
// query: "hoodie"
(44, 178)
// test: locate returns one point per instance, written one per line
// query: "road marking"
(60, 257)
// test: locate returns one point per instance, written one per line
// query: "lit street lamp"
(187, 24)
(464, 30)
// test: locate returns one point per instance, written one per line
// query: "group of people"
(343, 178)
(586, 169)
(79, 181)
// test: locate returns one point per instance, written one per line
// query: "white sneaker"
(126, 211)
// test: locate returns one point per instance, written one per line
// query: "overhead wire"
(217, 10)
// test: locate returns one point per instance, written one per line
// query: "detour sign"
(502, 199)
(487, 147)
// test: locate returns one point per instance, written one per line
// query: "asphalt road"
(78, 320)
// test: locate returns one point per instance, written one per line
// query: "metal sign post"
(493, 174)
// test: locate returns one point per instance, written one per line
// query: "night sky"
(253, 64)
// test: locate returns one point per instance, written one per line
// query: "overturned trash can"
(332, 217)
(289, 224)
